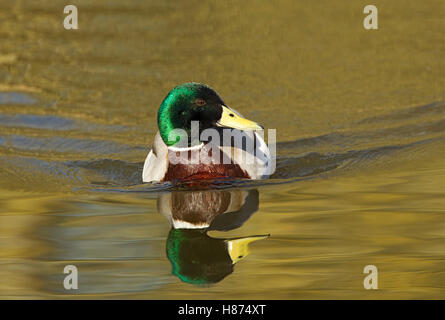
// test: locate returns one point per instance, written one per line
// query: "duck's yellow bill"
(239, 248)
(231, 119)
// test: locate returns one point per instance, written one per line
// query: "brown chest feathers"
(184, 170)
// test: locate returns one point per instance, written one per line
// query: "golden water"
(360, 119)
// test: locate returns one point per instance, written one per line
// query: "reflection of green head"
(196, 258)
(199, 259)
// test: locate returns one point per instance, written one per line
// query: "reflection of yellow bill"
(239, 248)
(231, 119)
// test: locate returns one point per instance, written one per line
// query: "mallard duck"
(198, 102)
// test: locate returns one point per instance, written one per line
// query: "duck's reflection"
(195, 256)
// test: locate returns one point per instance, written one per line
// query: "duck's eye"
(232, 115)
(200, 102)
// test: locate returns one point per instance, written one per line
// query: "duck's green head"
(196, 102)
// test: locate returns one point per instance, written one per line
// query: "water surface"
(360, 119)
